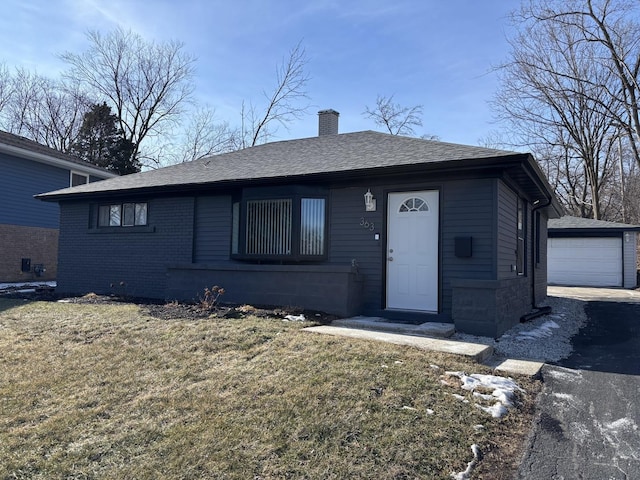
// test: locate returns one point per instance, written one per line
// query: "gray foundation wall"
(334, 289)
(489, 307)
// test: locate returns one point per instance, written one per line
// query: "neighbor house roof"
(569, 223)
(337, 154)
(24, 148)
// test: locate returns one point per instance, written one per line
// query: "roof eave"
(451, 166)
(57, 162)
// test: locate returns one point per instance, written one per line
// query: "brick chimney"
(327, 122)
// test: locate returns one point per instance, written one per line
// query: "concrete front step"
(476, 351)
(429, 329)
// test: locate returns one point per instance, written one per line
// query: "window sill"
(121, 230)
(283, 260)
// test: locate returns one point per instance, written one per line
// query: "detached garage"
(592, 253)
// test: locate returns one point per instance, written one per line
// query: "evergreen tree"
(101, 142)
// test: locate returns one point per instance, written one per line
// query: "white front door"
(412, 250)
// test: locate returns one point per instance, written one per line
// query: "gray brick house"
(28, 227)
(355, 223)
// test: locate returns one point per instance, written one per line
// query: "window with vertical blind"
(269, 224)
(285, 227)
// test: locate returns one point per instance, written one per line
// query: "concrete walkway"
(475, 351)
(429, 336)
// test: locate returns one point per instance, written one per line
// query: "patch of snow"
(31, 285)
(483, 396)
(398, 362)
(580, 432)
(543, 331)
(622, 424)
(621, 434)
(565, 374)
(470, 466)
(546, 338)
(407, 407)
(460, 397)
(478, 428)
(434, 367)
(503, 390)
(563, 396)
(429, 411)
(496, 410)
(295, 318)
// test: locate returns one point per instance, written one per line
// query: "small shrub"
(209, 300)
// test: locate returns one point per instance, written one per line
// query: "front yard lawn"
(108, 391)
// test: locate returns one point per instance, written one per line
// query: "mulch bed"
(175, 310)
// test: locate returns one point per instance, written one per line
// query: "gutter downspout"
(543, 310)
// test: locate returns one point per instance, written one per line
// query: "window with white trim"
(78, 179)
(122, 215)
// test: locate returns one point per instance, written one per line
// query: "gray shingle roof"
(23, 143)
(296, 158)
(578, 223)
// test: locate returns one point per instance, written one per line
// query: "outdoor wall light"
(627, 237)
(369, 201)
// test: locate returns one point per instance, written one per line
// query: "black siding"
(212, 237)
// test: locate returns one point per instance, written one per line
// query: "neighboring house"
(592, 253)
(29, 227)
(355, 223)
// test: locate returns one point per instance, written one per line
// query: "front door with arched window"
(412, 251)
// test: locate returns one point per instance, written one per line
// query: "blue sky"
(433, 52)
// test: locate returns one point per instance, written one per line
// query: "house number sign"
(366, 224)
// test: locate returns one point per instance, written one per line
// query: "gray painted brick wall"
(91, 261)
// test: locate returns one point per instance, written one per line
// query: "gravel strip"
(544, 339)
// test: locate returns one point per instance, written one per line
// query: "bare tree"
(147, 84)
(45, 110)
(397, 119)
(610, 29)
(556, 96)
(6, 87)
(205, 135)
(285, 103)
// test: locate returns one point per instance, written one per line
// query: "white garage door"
(588, 262)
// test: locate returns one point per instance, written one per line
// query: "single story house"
(355, 223)
(592, 253)
(28, 227)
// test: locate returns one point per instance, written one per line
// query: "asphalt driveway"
(589, 411)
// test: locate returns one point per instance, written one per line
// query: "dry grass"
(104, 391)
